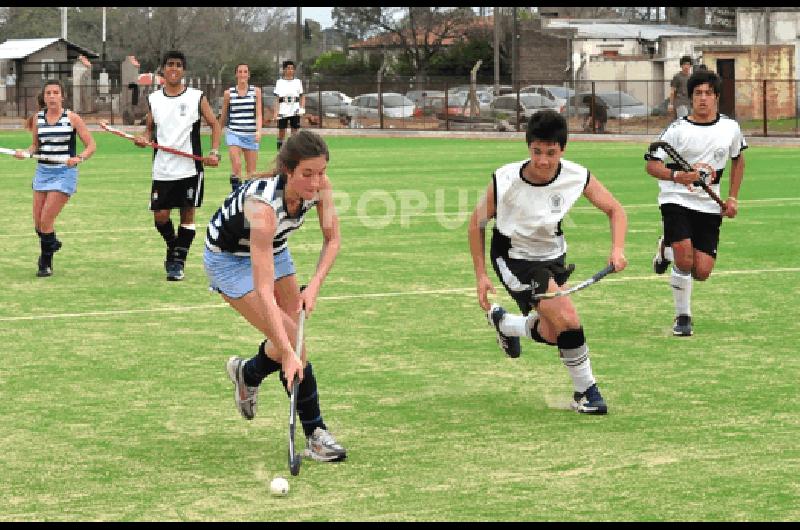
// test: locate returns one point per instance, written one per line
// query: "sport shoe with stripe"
(322, 446)
(509, 345)
(589, 402)
(246, 397)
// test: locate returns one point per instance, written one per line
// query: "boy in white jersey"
(174, 121)
(691, 219)
(528, 200)
(290, 103)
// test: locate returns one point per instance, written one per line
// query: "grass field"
(115, 403)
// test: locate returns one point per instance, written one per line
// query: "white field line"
(459, 290)
(447, 215)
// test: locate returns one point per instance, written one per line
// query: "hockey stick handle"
(178, 152)
(47, 158)
(685, 166)
(596, 277)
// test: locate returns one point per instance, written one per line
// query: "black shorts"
(293, 121)
(522, 278)
(684, 223)
(183, 193)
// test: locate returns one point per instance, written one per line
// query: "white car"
(344, 98)
(557, 93)
(394, 106)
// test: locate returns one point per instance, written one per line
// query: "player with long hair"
(247, 260)
(54, 130)
(241, 116)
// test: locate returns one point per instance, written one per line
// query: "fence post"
(764, 104)
(591, 111)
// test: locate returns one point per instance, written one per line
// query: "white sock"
(517, 325)
(681, 283)
(579, 366)
(668, 254)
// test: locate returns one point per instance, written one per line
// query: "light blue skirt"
(232, 275)
(245, 141)
(55, 178)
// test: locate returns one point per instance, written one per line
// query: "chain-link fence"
(762, 107)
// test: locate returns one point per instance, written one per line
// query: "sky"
(320, 14)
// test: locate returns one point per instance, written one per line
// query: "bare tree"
(421, 32)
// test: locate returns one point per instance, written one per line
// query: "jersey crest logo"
(556, 202)
(190, 193)
(719, 154)
(182, 108)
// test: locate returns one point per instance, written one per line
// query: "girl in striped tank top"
(242, 264)
(241, 115)
(54, 130)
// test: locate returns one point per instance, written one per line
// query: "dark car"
(329, 106)
(619, 105)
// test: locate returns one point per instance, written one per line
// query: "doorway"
(727, 99)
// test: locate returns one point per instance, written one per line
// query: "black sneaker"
(510, 345)
(683, 326)
(589, 402)
(174, 270)
(660, 263)
(45, 265)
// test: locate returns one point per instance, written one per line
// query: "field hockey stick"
(583, 285)
(59, 159)
(685, 166)
(295, 459)
(152, 144)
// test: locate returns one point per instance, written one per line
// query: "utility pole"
(104, 35)
(496, 16)
(299, 42)
(515, 51)
(64, 23)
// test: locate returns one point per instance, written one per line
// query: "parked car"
(394, 106)
(344, 98)
(457, 105)
(424, 100)
(559, 94)
(484, 100)
(331, 106)
(620, 105)
(505, 107)
(504, 89)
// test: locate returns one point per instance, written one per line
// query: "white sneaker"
(322, 446)
(246, 397)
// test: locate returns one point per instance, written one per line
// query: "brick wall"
(543, 56)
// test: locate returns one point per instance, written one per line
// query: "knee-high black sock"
(48, 245)
(259, 367)
(167, 231)
(307, 401)
(235, 182)
(182, 243)
(280, 143)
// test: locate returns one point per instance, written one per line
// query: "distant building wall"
(752, 65)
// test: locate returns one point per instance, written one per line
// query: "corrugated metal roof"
(21, 48)
(609, 30)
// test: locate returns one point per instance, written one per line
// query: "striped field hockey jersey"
(229, 231)
(528, 216)
(242, 111)
(57, 139)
